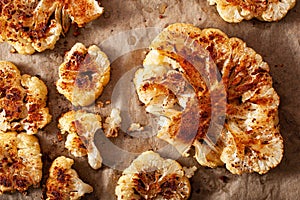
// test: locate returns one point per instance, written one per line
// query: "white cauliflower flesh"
(83, 74)
(63, 182)
(81, 128)
(36, 25)
(112, 123)
(22, 101)
(20, 162)
(235, 11)
(153, 177)
(249, 141)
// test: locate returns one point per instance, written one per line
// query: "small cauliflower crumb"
(135, 127)
(112, 123)
(189, 171)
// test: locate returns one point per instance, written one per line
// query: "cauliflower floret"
(152, 177)
(63, 182)
(248, 139)
(112, 123)
(81, 128)
(266, 10)
(22, 101)
(20, 161)
(83, 74)
(37, 25)
(83, 11)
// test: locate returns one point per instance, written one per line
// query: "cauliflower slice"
(266, 10)
(112, 123)
(250, 140)
(152, 177)
(81, 128)
(179, 124)
(63, 182)
(37, 25)
(83, 74)
(22, 101)
(20, 161)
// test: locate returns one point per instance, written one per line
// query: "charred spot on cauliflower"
(37, 25)
(235, 11)
(22, 101)
(63, 182)
(20, 162)
(249, 141)
(83, 74)
(81, 128)
(152, 177)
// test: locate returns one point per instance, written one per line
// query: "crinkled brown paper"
(277, 42)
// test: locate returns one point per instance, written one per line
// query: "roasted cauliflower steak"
(36, 25)
(81, 127)
(63, 182)
(22, 101)
(244, 135)
(152, 177)
(235, 11)
(83, 74)
(20, 162)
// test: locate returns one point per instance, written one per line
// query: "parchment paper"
(277, 42)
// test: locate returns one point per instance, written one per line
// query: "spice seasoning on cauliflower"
(37, 25)
(22, 101)
(249, 141)
(63, 182)
(235, 11)
(83, 74)
(81, 128)
(152, 177)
